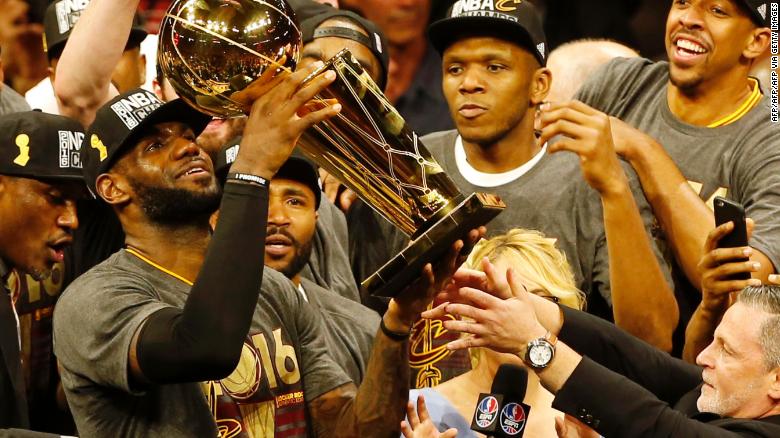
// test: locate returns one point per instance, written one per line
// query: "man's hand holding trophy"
(217, 54)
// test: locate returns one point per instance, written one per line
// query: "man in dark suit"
(40, 180)
(618, 385)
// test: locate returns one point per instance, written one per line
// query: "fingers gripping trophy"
(210, 50)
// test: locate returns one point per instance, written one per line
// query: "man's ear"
(774, 386)
(540, 85)
(142, 69)
(113, 188)
(758, 43)
(158, 91)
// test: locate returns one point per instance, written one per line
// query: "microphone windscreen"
(511, 381)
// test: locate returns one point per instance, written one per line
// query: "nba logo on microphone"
(487, 411)
(513, 418)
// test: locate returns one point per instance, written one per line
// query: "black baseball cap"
(123, 120)
(758, 10)
(62, 15)
(519, 22)
(374, 41)
(41, 146)
(296, 168)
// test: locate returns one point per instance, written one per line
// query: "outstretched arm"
(82, 81)
(598, 339)
(378, 406)
(642, 301)
(684, 217)
(504, 318)
(203, 340)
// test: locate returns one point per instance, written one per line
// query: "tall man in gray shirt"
(179, 306)
(494, 78)
(695, 128)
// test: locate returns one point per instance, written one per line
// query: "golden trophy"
(368, 146)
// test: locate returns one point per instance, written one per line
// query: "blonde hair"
(534, 257)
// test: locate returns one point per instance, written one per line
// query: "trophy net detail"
(370, 148)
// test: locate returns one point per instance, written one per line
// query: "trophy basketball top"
(210, 49)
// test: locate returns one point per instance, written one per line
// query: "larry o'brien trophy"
(210, 49)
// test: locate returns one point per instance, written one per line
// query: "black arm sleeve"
(617, 407)
(203, 340)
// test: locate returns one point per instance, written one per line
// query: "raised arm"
(378, 406)
(82, 81)
(199, 342)
(684, 217)
(642, 301)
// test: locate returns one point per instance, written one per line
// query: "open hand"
(418, 423)
(275, 119)
(341, 196)
(587, 133)
(404, 310)
(501, 314)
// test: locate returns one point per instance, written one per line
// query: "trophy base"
(476, 210)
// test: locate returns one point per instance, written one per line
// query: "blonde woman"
(546, 272)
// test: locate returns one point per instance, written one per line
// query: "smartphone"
(730, 211)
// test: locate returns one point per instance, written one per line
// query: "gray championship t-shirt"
(284, 361)
(349, 327)
(551, 197)
(554, 198)
(11, 101)
(740, 161)
(328, 265)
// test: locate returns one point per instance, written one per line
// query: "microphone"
(502, 413)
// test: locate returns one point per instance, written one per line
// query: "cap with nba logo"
(123, 120)
(517, 21)
(62, 15)
(296, 168)
(40, 146)
(758, 11)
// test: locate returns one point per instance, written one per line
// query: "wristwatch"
(540, 352)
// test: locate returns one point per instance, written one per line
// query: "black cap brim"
(445, 32)
(298, 167)
(301, 169)
(43, 176)
(174, 111)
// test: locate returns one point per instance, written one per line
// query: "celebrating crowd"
(169, 273)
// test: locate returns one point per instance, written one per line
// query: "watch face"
(540, 354)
